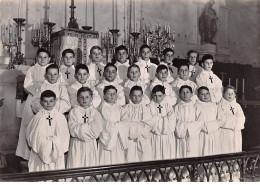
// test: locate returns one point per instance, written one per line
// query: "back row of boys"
(162, 117)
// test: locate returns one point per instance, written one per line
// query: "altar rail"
(243, 166)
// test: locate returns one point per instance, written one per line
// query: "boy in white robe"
(183, 79)
(194, 68)
(82, 77)
(67, 69)
(139, 121)
(147, 68)
(113, 139)
(163, 137)
(168, 55)
(207, 111)
(96, 66)
(187, 128)
(122, 63)
(48, 136)
(51, 83)
(32, 82)
(133, 74)
(233, 119)
(209, 79)
(161, 79)
(110, 73)
(85, 125)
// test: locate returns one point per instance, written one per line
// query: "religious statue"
(207, 23)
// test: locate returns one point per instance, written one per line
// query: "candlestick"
(19, 9)
(86, 13)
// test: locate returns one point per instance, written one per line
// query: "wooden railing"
(243, 166)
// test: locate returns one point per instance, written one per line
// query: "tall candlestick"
(86, 14)
(93, 15)
(229, 81)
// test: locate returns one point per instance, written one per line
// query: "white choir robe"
(62, 97)
(49, 140)
(211, 81)
(172, 72)
(95, 73)
(73, 89)
(176, 85)
(139, 120)
(129, 84)
(148, 70)
(113, 139)
(85, 126)
(171, 96)
(233, 120)
(187, 130)
(163, 138)
(120, 91)
(209, 137)
(122, 71)
(32, 83)
(194, 71)
(68, 74)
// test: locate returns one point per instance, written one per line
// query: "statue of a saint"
(207, 23)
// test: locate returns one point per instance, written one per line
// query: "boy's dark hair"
(183, 64)
(166, 50)
(203, 88)
(81, 66)
(144, 46)
(158, 88)
(206, 57)
(52, 66)
(229, 87)
(161, 67)
(108, 65)
(48, 94)
(121, 47)
(65, 51)
(106, 88)
(44, 51)
(85, 89)
(185, 86)
(136, 88)
(95, 47)
(192, 51)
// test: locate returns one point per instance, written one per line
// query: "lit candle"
(229, 81)
(93, 15)
(116, 14)
(243, 86)
(113, 14)
(19, 9)
(134, 16)
(86, 14)
(236, 84)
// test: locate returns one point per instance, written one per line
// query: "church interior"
(232, 38)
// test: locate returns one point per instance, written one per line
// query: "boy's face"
(111, 96)
(193, 58)
(204, 95)
(162, 75)
(134, 74)
(48, 103)
(207, 64)
(145, 54)
(43, 59)
(121, 56)
(136, 96)
(96, 55)
(183, 72)
(185, 95)
(84, 99)
(82, 76)
(68, 59)
(110, 73)
(168, 57)
(229, 95)
(52, 75)
(158, 97)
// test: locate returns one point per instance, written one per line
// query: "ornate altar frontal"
(80, 41)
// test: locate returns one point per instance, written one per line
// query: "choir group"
(119, 112)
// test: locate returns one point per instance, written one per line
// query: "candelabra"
(114, 40)
(134, 47)
(19, 59)
(106, 44)
(39, 35)
(49, 30)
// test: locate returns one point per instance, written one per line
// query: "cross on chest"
(67, 73)
(85, 118)
(232, 109)
(211, 79)
(160, 108)
(49, 119)
(99, 71)
(147, 68)
(192, 72)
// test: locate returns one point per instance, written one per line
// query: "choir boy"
(67, 69)
(168, 55)
(48, 136)
(194, 67)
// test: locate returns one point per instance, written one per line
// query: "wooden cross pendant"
(49, 118)
(160, 108)
(67, 73)
(232, 109)
(211, 79)
(147, 68)
(85, 118)
(99, 71)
